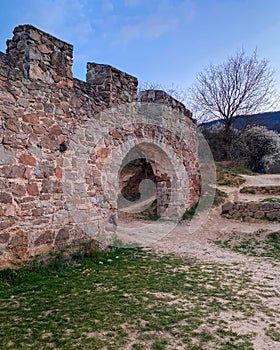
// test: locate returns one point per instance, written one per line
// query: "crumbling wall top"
(161, 97)
(112, 84)
(40, 55)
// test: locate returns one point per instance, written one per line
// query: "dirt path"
(200, 245)
(262, 180)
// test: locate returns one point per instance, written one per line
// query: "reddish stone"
(28, 173)
(55, 130)
(60, 84)
(116, 135)
(38, 212)
(39, 129)
(31, 118)
(27, 159)
(44, 238)
(32, 189)
(70, 83)
(58, 173)
(61, 139)
(49, 143)
(103, 153)
(44, 49)
(62, 236)
(5, 198)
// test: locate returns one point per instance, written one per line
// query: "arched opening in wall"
(144, 182)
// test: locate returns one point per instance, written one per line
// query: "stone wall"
(50, 122)
(161, 97)
(113, 85)
(251, 211)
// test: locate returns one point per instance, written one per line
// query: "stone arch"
(93, 202)
(172, 182)
(154, 173)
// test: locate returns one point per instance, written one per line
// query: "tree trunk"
(228, 140)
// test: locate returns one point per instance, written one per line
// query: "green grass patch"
(189, 214)
(126, 296)
(271, 200)
(227, 177)
(236, 167)
(259, 243)
(220, 197)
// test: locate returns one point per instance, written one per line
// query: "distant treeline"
(269, 119)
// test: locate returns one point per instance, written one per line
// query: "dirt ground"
(165, 238)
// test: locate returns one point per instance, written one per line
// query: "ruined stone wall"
(251, 211)
(42, 110)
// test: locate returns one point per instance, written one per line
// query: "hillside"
(269, 119)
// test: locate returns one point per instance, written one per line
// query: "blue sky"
(164, 41)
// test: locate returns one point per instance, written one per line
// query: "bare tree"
(241, 86)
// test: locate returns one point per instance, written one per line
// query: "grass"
(220, 197)
(189, 214)
(257, 244)
(236, 167)
(271, 200)
(227, 177)
(126, 298)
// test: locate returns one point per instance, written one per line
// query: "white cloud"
(62, 18)
(152, 27)
(166, 16)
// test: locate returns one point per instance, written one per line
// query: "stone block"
(5, 198)
(259, 215)
(32, 189)
(274, 215)
(45, 238)
(227, 207)
(18, 245)
(62, 235)
(4, 237)
(27, 159)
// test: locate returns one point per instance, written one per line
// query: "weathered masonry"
(70, 149)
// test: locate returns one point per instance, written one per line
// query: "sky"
(160, 41)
